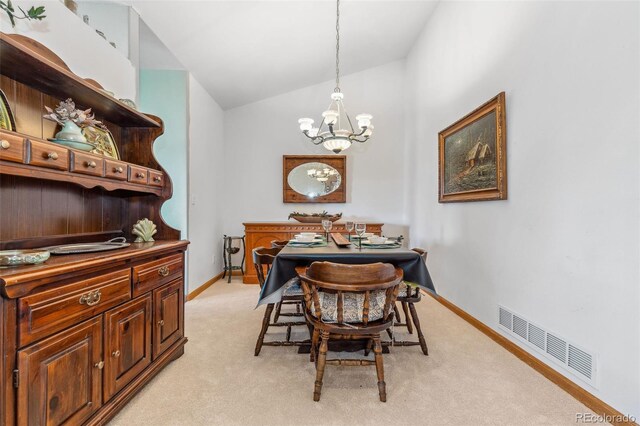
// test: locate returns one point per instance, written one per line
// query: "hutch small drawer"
(114, 169)
(156, 178)
(49, 155)
(12, 147)
(138, 174)
(150, 275)
(44, 313)
(87, 164)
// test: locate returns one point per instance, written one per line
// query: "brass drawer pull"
(157, 178)
(115, 354)
(118, 170)
(91, 164)
(164, 271)
(161, 323)
(90, 299)
(140, 175)
(52, 156)
(99, 365)
(4, 144)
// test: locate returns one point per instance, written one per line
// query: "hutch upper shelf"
(29, 67)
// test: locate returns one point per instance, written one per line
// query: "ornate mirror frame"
(290, 162)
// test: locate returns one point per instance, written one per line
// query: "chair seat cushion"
(405, 287)
(402, 289)
(352, 305)
(292, 288)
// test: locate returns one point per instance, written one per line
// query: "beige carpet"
(466, 380)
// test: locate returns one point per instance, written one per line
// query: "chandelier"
(336, 132)
(322, 175)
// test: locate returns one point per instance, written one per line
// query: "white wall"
(257, 135)
(206, 182)
(85, 52)
(563, 250)
(109, 17)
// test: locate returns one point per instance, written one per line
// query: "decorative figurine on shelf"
(145, 230)
(71, 120)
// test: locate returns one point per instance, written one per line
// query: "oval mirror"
(314, 179)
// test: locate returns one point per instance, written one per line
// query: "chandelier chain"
(337, 89)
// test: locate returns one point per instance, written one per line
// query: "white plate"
(365, 235)
(388, 242)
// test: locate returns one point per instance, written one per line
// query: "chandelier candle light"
(334, 137)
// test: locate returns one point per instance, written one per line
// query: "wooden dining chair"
(349, 302)
(279, 243)
(408, 296)
(292, 294)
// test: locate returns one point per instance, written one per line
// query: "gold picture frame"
(7, 121)
(103, 141)
(472, 155)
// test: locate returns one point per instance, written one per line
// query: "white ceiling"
(244, 51)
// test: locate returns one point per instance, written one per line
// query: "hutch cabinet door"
(168, 316)
(60, 378)
(127, 343)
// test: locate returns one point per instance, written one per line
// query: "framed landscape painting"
(472, 156)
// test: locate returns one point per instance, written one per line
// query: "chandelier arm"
(320, 126)
(316, 140)
(354, 139)
(364, 129)
(331, 130)
(349, 120)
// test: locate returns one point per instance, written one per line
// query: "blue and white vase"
(71, 132)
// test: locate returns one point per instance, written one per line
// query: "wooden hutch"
(80, 334)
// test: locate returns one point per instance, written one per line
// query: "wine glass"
(349, 227)
(327, 225)
(360, 230)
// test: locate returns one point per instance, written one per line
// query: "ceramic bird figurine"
(144, 229)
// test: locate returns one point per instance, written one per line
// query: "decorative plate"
(23, 257)
(114, 244)
(103, 142)
(311, 244)
(7, 121)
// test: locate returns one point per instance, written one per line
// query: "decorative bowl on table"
(314, 217)
(23, 257)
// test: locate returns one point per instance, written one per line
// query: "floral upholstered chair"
(349, 302)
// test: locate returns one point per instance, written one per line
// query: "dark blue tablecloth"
(285, 263)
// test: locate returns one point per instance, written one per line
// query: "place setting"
(307, 240)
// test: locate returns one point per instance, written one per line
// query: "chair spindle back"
(262, 260)
(340, 279)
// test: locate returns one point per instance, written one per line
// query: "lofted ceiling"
(244, 51)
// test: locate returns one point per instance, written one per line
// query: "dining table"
(290, 257)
